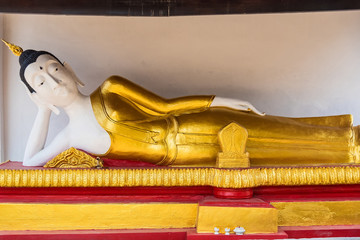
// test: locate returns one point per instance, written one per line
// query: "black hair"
(26, 58)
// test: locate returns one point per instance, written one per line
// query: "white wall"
(1, 95)
(304, 64)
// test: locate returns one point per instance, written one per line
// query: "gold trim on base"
(172, 177)
(253, 219)
(318, 213)
(73, 158)
(41, 216)
(4, 162)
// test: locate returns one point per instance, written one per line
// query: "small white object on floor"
(239, 231)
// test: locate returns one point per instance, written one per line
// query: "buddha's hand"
(235, 104)
(43, 106)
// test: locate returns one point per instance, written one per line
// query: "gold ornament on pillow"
(73, 158)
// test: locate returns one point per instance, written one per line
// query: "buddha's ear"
(77, 80)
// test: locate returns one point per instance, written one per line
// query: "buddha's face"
(52, 82)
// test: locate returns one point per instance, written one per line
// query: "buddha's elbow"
(27, 164)
(31, 163)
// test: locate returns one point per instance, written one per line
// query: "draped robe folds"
(184, 131)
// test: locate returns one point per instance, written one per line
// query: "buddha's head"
(45, 76)
(47, 79)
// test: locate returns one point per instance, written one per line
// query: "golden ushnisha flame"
(16, 50)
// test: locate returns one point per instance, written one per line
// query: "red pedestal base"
(149, 234)
(181, 234)
(192, 235)
(231, 193)
(322, 231)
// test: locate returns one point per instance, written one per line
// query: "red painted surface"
(192, 235)
(230, 193)
(98, 199)
(314, 191)
(105, 194)
(298, 193)
(309, 199)
(309, 193)
(286, 190)
(252, 202)
(322, 231)
(181, 234)
(122, 163)
(107, 191)
(156, 234)
(16, 165)
(127, 163)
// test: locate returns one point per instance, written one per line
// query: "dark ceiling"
(172, 7)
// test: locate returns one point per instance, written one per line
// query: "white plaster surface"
(1, 95)
(300, 64)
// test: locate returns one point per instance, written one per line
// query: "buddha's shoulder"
(114, 80)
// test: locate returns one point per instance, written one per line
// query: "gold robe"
(183, 131)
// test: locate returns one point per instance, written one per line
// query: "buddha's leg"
(356, 144)
(272, 140)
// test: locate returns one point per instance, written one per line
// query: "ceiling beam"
(172, 7)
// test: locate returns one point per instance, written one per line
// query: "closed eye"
(38, 80)
(53, 67)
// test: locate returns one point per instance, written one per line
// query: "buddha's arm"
(40, 157)
(153, 102)
(35, 153)
(235, 104)
(38, 133)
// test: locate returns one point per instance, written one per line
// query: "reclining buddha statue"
(121, 120)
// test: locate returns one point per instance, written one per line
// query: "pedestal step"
(322, 231)
(75, 216)
(314, 213)
(255, 215)
(182, 234)
(154, 234)
(192, 235)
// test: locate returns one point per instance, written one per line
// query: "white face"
(53, 83)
